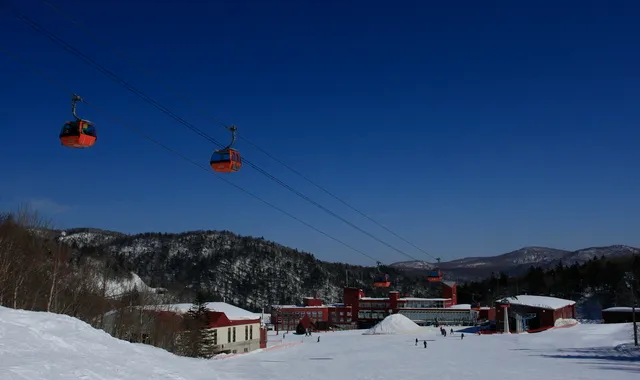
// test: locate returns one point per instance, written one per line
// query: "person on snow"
(318, 338)
(451, 331)
(462, 336)
(416, 341)
(425, 344)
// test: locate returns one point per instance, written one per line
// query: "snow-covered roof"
(423, 299)
(463, 306)
(404, 299)
(542, 302)
(297, 307)
(622, 309)
(234, 313)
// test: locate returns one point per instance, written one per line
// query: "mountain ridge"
(517, 261)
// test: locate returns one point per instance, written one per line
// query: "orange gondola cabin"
(78, 134)
(226, 161)
(381, 280)
(434, 275)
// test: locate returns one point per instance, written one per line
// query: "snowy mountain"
(517, 261)
(249, 272)
(254, 273)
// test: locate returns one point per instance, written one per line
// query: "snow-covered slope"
(45, 346)
(39, 346)
(118, 286)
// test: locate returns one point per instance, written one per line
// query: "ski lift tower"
(504, 304)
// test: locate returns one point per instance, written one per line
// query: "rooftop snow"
(542, 302)
(234, 313)
(622, 309)
(404, 299)
(423, 299)
(462, 306)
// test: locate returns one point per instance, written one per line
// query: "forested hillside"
(596, 284)
(246, 271)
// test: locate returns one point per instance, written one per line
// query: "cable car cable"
(37, 27)
(180, 155)
(205, 112)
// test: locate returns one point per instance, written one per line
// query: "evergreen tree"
(198, 339)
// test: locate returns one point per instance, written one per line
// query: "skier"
(462, 336)
(425, 344)
(451, 331)
(318, 339)
(416, 341)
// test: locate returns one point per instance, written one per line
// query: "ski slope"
(37, 346)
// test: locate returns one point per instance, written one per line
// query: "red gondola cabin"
(226, 161)
(434, 276)
(381, 280)
(78, 134)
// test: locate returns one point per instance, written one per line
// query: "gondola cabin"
(434, 276)
(78, 134)
(226, 161)
(381, 280)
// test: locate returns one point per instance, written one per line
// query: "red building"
(533, 313)
(619, 314)
(486, 313)
(287, 317)
(359, 311)
(234, 330)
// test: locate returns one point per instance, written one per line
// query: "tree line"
(601, 279)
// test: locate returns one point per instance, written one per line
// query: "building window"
(228, 334)
(234, 334)
(246, 332)
(251, 332)
(215, 337)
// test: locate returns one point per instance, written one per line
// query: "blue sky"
(469, 129)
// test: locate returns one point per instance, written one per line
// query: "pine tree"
(198, 339)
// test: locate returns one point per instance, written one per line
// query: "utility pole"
(630, 279)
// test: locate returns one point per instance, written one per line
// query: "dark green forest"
(601, 279)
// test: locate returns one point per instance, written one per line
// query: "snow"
(542, 302)
(565, 322)
(423, 299)
(45, 346)
(394, 324)
(118, 287)
(462, 306)
(622, 309)
(234, 313)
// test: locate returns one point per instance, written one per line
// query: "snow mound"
(565, 322)
(394, 324)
